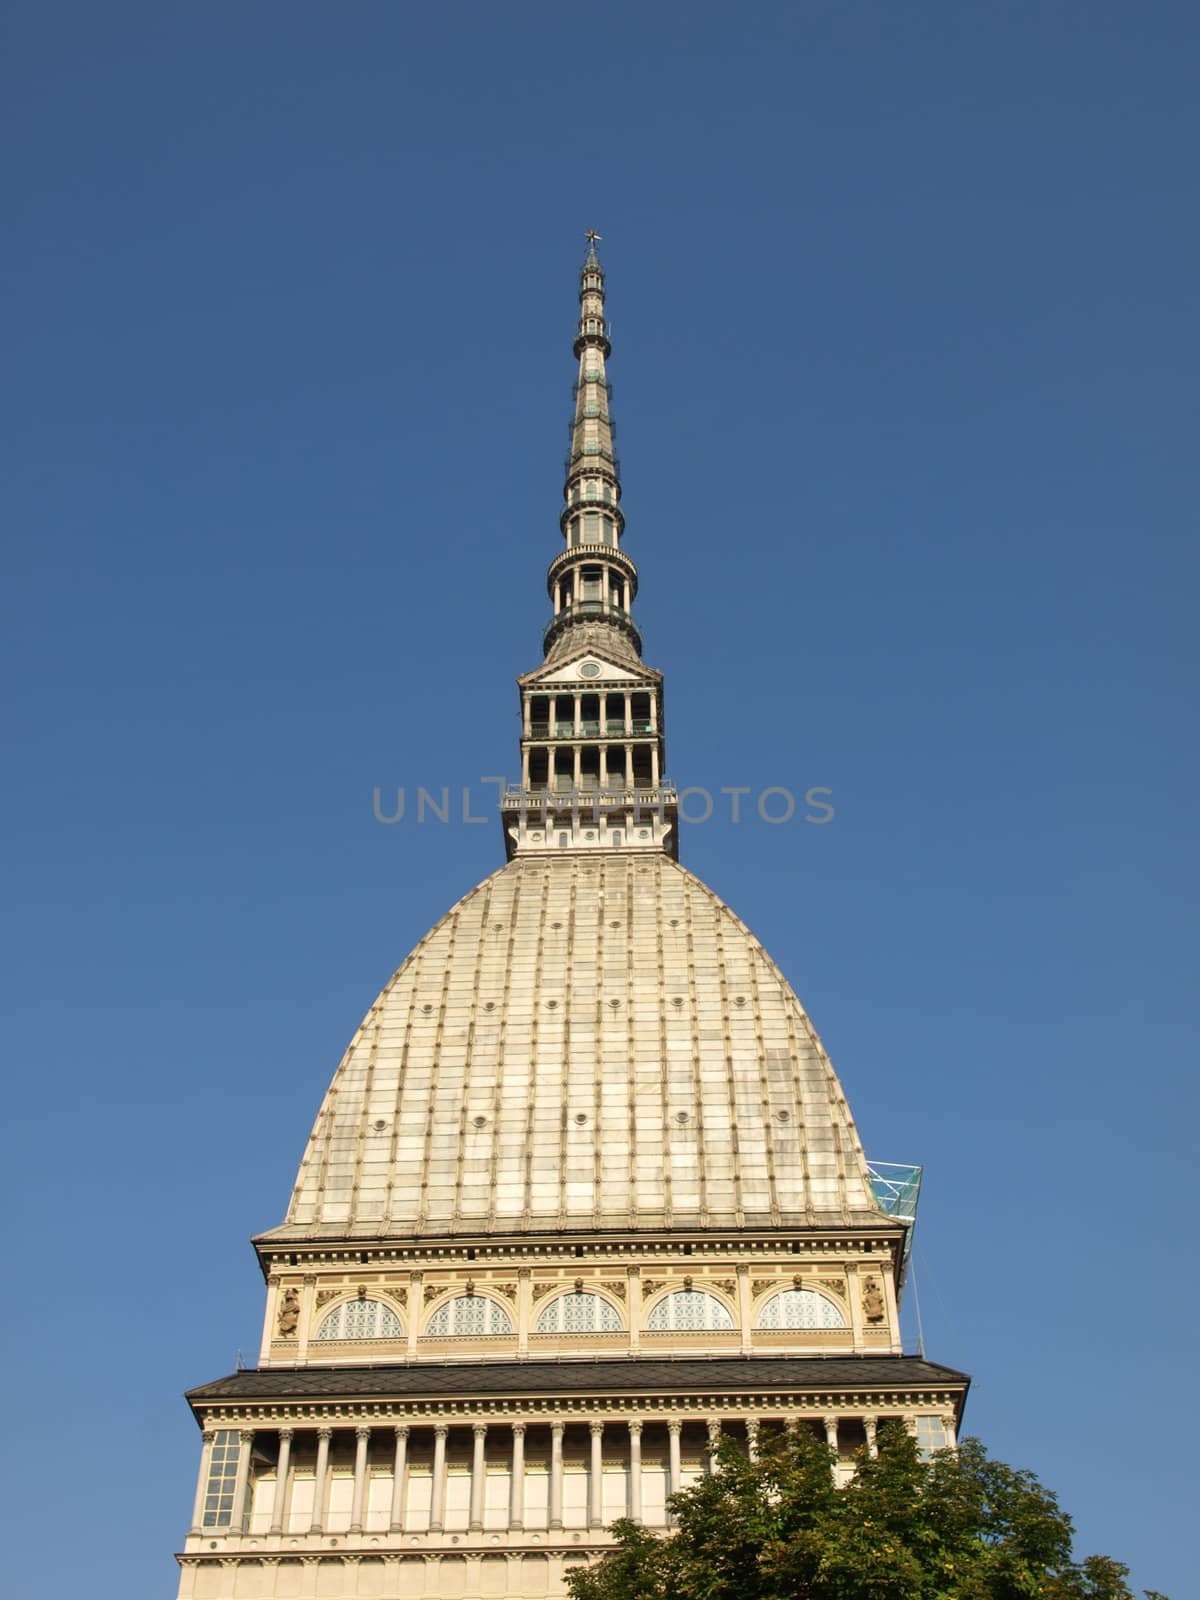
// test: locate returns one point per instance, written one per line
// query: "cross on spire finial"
(592, 236)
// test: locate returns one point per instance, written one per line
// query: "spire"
(593, 581)
(592, 753)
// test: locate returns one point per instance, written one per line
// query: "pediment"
(589, 667)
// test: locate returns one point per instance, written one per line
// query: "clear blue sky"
(905, 371)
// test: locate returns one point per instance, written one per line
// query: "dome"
(582, 1043)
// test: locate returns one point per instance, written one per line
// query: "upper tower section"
(592, 750)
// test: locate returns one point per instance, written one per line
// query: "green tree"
(959, 1527)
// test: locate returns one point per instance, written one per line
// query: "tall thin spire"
(592, 753)
(593, 580)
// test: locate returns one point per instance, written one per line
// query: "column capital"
(829, 1422)
(401, 1430)
(595, 1429)
(246, 1435)
(675, 1426)
(556, 1429)
(479, 1429)
(287, 1433)
(325, 1433)
(309, 1279)
(742, 1269)
(440, 1430)
(208, 1435)
(635, 1427)
(714, 1429)
(362, 1433)
(518, 1429)
(524, 1272)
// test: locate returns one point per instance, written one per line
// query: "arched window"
(579, 1313)
(469, 1313)
(689, 1310)
(361, 1319)
(800, 1308)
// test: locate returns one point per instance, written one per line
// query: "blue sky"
(905, 372)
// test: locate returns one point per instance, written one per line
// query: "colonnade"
(841, 1433)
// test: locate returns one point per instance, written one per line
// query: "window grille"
(222, 1476)
(361, 1319)
(800, 1308)
(578, 1313)
(689, 1310)
(469, 1313)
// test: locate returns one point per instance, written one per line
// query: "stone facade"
(584, 1194)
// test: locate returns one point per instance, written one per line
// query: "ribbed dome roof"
(582, 1042)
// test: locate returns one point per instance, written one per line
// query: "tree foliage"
(959, 1527)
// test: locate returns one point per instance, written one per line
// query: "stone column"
(745, 1308)
(527, 715)
(831, 1433)
(655, 775)
(478, 1475)
(595, 1476)
(362, 1442)
(752, 1437)
(578, 699)
(399, 1467)
(633, 1278)
(283, 1467)
(714, 1439)
(241, 1482)
(416, 1309)
(628, 761)
(635, 1472)
(202, 1481)
(516, 1484)
(264, 1352)
(950, 1427)
(869, 1426)
(524, 1298)
(307, 1295)
(437, 1504)
(628, 714)
(556, 1474)
(674, 1428)
(318, 1512)
(854, 1295)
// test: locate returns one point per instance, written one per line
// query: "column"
(869, 1426)
(831, 1433)
(578, 702)
(628, 754)
(399, 1467)
(577, 753)
(362, 1441)
(307, 1295)
(628, 713)
(478, 1473)
(714, 1439)
(752, 1437)
(318, 1512)
(633, 1278)
(655, 775)
(854, 1294)
(527, 715)
(516, 1484)
(437, 1506)
(279, 1509)
(524, 1299)
(950, 1427)
(525, 767)
(653, 712)
(674, 1428)
(241, 1481)
(635, 1472)
(264, 1352)
(745, 1307)
(415, 1308)
(556, 1474)
(595, 1472)
(893, 1308)
(202, 1481)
